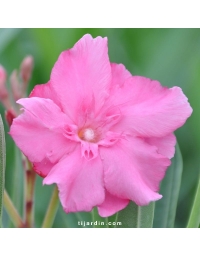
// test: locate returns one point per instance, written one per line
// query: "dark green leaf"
(165, 209)
(2, 165)
(135, 216)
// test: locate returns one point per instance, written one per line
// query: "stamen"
(87, 134)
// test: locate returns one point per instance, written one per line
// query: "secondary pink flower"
(103, 136)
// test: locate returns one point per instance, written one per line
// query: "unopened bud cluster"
(18, 82)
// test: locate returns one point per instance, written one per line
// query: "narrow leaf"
(194, 219)
(134, 216)
(2, 166)
(165, 209)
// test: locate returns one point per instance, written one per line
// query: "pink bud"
(15, 85)
(26, 68)
(3, 90)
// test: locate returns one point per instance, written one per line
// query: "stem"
(29, 194)
(52, 209)
(98, 221)
(12, 211)
(194, 218)
(116, 217)
(29, 183)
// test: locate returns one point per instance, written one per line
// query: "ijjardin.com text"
(99, 223)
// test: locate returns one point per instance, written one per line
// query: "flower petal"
(111, 114)
(89, 150)
(46, 91)
(80, 182)
(82, 75)
(148, 109)
(136, 172)
(119, 75)
(111, 205)
(38, 131)
(43, 168)
(165, 145)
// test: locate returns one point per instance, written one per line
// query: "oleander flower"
(103, 136)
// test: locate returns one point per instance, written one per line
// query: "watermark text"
(99, 223)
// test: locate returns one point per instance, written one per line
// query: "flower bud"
(26, 68)
(15, 85)
(3, 90)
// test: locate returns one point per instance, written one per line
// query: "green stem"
(12, 211)
(194, 219)
(29, 195)
(98, 221)
(51, 211)
(116, 217)
(29, 185)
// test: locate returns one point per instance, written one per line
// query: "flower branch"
(52, 209)
(12, 211)
(30, 177)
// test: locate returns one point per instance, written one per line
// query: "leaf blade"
(165, 209)
(2, 166)
(194, 219)
(134, 216)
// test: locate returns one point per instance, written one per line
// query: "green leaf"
(194, 219)
(7, 35)
(2, 166)
(165, 209)
(134, 216)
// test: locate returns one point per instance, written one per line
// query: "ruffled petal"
(111, 113)
(82, 75)
(46, 91)
(148, 109)
(164, 145)
(111, 205)
(39, 130)
(119, 75)
(133, 170)
(80, 182)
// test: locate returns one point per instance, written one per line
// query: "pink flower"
(103, 136)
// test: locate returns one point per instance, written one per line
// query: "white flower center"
(87, 134)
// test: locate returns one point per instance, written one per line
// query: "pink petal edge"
(81, 83)
(136, 172)
(80, 183)
(38, 131)
(111, 205)
(150, 110)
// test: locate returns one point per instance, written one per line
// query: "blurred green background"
(171, 56)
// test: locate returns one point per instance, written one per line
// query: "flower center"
(87, 134)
